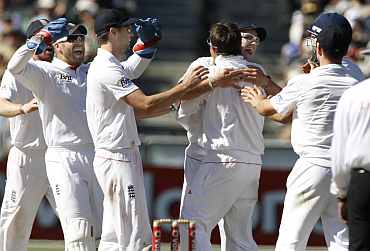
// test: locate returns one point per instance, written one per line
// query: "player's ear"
(319, 50)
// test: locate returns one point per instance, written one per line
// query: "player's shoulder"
(298, 79)
(202, 61)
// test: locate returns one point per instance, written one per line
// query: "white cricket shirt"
(111, 120)
(351, 140)
(313, 98)
(190, 115)
(61, 92)
(232, 129)
(25, 129)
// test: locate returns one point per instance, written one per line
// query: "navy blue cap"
(333, 32)
(111, 18)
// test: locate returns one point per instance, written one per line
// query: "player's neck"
(117, 52)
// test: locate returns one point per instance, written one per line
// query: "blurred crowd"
(15, 15)
(294, 53)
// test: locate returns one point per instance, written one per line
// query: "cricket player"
(26, 182)
(351, 163)
(231, 153)
(190, 114)
(60, 88)
(311, 99)
(113, 101)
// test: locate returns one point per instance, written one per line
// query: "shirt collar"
(223, 58)
(106, 54)
(61, 64)
(328, 67)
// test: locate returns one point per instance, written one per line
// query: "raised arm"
(149, 33)
(135, 66)
(29, 73)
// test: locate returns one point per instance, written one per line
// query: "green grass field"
(38, 245)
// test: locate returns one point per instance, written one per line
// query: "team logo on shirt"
(131, 191)
(64, 77)
(279, 98)
(125, 82)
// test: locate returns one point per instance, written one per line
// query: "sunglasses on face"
(75, 38)
(250, 38)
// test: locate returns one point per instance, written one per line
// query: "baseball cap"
(73, 29)
(111, 18)
(35, 26)
(261, 32)
(333, 32)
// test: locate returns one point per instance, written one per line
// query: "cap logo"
(316, 29)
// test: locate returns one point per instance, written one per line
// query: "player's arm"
(223, 79)
(9, 109)
(139, 114)
(27, 72)
(282, 118)
(135, 66)
(149, 105)
(258, 100)
(259, 78)
(149, 34)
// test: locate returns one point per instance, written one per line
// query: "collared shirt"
(232, 130)
(351, 140)
(111, 120)
(313, 98)
(25, 130)
(61, 92)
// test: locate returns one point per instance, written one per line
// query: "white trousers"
(25, 187)
(76, 192)
(308, 199)
(215, 192)
(126, 225)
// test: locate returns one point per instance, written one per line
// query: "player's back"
(319, 93)
(231, 126)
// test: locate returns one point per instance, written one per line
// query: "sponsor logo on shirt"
(125, 82)
(64, 77)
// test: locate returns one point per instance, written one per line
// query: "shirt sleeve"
(119, 84)
(340, 173)
(286, 99)
(8, 88)
(135, 66)
(27, 71)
